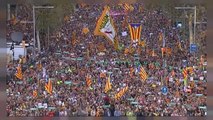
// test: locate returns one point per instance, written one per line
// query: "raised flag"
(35, 94)
(143, 74)
(190, 69)
(85, 30)
(142, 43)
(131, 72)
(19, 74)
(105, 27)
(121, 93)
(126, 6)
(88, 81)
(160, 36)
(135, 31)
(108, 85)
(48, 86)
(184, 72)
(74, 41)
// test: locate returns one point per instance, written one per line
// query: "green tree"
(51, 19)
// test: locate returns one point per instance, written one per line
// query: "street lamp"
(192, 8)
(38, 7)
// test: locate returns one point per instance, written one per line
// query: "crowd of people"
(69, 60)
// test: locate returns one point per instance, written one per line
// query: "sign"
(164, 90)
(193, 48)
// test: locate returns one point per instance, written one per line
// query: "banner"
(135, 31)
(105, 27)
(116, 13)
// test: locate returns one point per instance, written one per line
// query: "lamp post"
(34, 27)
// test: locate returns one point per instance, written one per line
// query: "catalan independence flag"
(131, 72)
(121, 93)
(127, 7)
(184, 72)
(143, 74)
(19, 74)
(108, 85)
(88, 81)
(48, 87)
(135, 31)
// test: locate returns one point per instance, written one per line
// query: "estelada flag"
(135, 31)
(105, 27)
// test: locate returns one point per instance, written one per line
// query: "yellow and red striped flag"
(135, 31)
(19, 74)
(184, 72)
(127, 7)
(48, 87)
(108, 85)
(143, 74)
(131, 72)
(35, 93)
(121, 93)
(88, 80)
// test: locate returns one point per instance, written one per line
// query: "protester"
(67, 64)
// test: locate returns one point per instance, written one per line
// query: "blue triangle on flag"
(135, 25)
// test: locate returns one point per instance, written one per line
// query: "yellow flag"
(85, 30)
(108, 85)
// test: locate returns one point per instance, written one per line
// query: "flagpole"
(164, 61)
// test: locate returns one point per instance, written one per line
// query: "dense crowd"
(67, 64)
